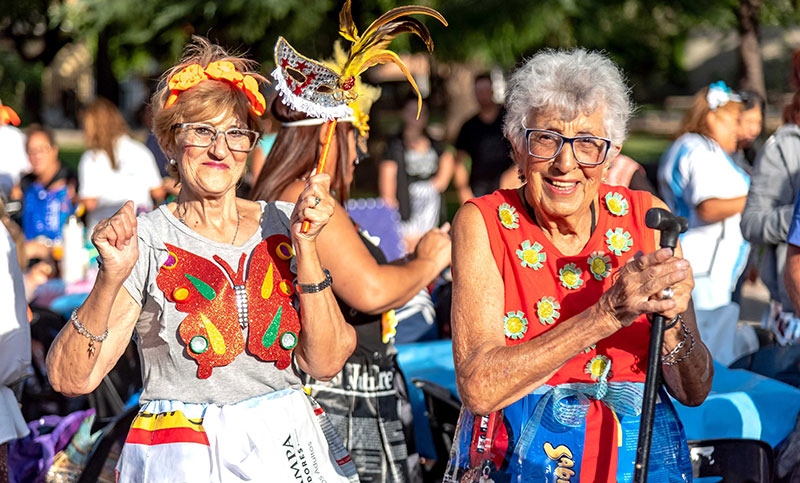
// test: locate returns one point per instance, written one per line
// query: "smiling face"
(211, 172)
(560, 187)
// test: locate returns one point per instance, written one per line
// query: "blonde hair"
(206, 100)
(103, 124)
(696, 118)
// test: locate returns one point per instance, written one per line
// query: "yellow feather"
(347, 28)
(370, 48)
(383, 56)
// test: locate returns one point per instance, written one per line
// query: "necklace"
(235, 233)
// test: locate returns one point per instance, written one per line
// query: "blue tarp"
(741, 404)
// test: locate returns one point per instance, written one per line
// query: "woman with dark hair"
(116, 168)
(751, 123)
(414, 174)
(367, 289)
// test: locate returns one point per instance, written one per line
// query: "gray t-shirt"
(167, 370)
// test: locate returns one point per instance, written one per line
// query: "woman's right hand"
(435, 245)
(637, 289)
(116, 242)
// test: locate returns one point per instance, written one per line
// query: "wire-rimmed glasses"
(203, 135)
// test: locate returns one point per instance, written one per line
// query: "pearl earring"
(172, 162)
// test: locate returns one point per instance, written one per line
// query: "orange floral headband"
(223, 70)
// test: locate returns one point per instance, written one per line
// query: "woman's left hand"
(315, 205)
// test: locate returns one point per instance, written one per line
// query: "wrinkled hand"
(307, 208)
(435, 245)
(638, 288)
(116, 242)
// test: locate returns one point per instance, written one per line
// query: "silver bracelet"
(85, 332)
(315, 287)
(670, 359)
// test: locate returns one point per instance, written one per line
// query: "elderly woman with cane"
(553, 284)
(223, 294)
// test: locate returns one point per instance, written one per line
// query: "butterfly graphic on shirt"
(221, 304)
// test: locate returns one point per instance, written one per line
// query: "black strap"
(529, 209)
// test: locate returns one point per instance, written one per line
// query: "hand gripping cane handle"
(670, 227)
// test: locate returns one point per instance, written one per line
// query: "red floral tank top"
(543, 287)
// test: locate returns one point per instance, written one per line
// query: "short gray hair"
(570, 82)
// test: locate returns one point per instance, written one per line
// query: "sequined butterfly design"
(222, 305)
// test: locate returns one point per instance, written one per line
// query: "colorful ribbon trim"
(222, 70)
(571, 404)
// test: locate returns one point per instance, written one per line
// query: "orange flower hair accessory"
(8, 116)
(223, 70)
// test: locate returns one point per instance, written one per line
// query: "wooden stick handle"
(322, 158)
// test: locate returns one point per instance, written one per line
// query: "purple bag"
(30, 457)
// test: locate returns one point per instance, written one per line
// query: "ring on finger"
(667, 293)
(316, 201)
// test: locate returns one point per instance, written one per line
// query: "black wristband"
(314, 287)
(672, 323)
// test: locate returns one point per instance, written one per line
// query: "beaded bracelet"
(85, 332)
(670, 359)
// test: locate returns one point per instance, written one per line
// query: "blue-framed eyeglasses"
(587, 150)
(202, 135)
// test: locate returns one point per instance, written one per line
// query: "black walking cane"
(670, 227)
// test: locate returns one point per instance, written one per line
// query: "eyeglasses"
(588, 150)
(202, 135)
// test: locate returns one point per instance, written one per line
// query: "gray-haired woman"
(552, 286)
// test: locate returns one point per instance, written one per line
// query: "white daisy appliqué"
(616, 204)
(548, 310)
(570, 276)
(532, 256)
(599, 265)
(619, 241)
(508, 215)
(515, 325)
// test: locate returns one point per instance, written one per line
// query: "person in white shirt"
(15, 346)
(116, 168)
(699, 180)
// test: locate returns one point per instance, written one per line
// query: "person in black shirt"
(481, 139)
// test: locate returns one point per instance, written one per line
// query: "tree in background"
(646, 37)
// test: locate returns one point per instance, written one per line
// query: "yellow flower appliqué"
(599, 265)
(548, 310)
(508, 215)
(616, 204)
(619, 241)
(570, 276)
(532, 256)
(515, 325)
(599, 368)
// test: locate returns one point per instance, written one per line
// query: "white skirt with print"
(282, 436)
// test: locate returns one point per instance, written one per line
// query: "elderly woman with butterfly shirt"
(222, 294)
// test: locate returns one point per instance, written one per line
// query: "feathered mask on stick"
(324, 92)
